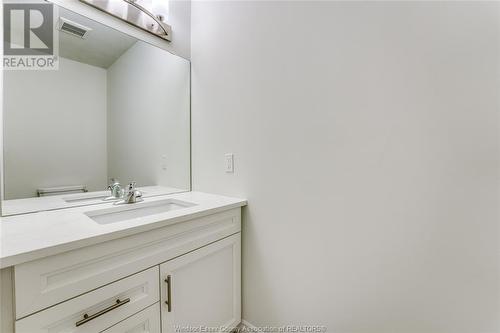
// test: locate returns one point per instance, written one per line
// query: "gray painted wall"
(366, 140)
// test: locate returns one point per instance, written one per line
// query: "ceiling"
(101, 47)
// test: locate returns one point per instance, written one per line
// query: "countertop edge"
(21, 258)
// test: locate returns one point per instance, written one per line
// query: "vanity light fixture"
(157, 27)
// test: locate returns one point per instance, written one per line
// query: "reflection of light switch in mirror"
(229, 163)
(164, 162)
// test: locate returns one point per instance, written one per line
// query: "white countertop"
(32, 236)
(38, 204)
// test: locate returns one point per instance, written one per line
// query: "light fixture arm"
(166, 29)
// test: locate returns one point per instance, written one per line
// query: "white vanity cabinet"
(182, 275)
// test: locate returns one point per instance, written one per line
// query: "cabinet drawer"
(98, 309)
(146, 321)
(45, 282)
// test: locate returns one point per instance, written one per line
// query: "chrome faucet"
(132, 194)
(116, 190)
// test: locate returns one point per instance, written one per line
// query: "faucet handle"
(131, 186)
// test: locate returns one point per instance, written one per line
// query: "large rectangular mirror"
(117, 107)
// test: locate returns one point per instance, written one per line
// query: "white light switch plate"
(229, 163)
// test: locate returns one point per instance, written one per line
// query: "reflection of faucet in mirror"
(116, 190)
(132, 195)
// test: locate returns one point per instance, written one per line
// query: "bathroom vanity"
(168, 264)
(75, 257)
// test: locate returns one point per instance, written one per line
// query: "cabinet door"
(146, 321)
(203, 288)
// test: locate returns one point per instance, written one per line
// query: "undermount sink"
(131, 211)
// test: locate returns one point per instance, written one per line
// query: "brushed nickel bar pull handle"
(168, 280)
(87, 318)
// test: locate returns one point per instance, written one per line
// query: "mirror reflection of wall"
(117, 107)
(144, 141)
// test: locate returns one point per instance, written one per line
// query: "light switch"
(229, 163)
(164, 162)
